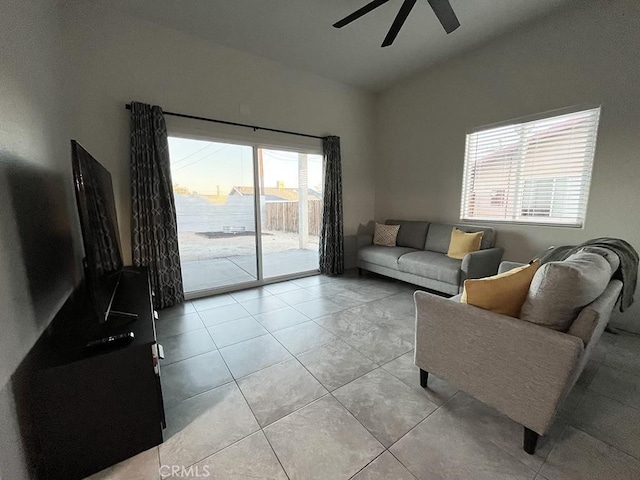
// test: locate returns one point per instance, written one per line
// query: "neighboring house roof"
(276, 194)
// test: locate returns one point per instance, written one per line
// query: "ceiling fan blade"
(446, 15)
(398, 22)
(359, 13)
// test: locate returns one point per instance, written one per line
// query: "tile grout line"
(589, 389)
(564, 429)
(347, 408)
(261, 429)
(517, 459)
(637, 458)
(356, 349)
(438, 407)
(398, 460)
(329, 393)
(570, 422)
(369, 463)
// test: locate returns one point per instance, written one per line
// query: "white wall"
(586, 53)
(118, 59)
(37, 212)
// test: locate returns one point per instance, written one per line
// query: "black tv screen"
(99, 224)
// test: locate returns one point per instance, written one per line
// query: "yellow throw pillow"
(385, 235)
(504, 293)
(462, 243)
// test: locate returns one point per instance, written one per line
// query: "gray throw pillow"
(609, 255)
(559, 290)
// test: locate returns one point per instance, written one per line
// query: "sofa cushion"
(462, 243)
(383, 256)
(431, 265)
(411, 234)
(386, 235)
(439, 235)
(559, 290)
(503, 293)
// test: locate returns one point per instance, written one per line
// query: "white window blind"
(533, 171)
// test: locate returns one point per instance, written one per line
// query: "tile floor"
(314, 379)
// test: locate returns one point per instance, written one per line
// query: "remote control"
(112, 340)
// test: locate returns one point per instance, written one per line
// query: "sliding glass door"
(291, 185)
(215, 207)
(227, 236)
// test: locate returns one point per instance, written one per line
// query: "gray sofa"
(419, 256)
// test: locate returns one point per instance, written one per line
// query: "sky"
(212, 168)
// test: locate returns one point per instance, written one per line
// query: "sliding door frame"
(257, 189)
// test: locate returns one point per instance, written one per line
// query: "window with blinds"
(531, 171)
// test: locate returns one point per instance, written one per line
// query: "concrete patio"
(213, 273)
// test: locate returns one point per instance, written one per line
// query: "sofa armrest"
(593, 318)
(520, 368)
(506, 266)
(479, 264)
(363, 240)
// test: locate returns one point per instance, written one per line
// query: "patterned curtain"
(154, 234)
(331, 235)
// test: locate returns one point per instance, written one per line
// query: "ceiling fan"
(442, 9)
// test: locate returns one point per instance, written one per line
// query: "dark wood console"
(85, 410)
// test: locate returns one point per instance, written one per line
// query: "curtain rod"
(235, 124)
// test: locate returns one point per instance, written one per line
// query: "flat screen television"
(99, 224)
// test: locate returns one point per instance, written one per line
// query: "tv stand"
(89, 409)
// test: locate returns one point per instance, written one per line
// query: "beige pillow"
(504, 293)
(559, 290)
(462, 243)
(385, 235)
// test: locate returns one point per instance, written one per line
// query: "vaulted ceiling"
(299, 33)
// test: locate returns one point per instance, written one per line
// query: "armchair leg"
(530, 441)
(359, 272)
(424, 376)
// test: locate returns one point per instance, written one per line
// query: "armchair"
(521, 369)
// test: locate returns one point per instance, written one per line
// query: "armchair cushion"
(504, 293)
(560, 289)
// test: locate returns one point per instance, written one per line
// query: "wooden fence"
(283, 217)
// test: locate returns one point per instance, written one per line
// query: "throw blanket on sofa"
(627, 271)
